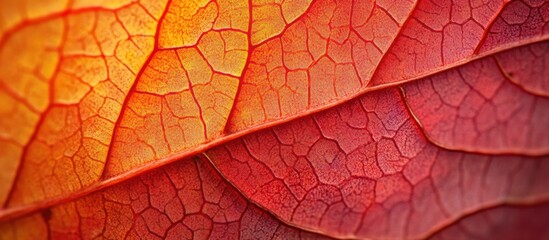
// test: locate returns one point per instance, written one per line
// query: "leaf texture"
(188, 199)
(529, 219)
(326, 118)
(365, 170)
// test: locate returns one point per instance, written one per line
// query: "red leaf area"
(364, 169)
(256, 120)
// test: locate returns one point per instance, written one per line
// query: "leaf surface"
(365, 170)
(95, 94)
(188, 199)
(486, 106)
(528, 218)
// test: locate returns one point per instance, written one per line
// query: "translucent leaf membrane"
(446, 34)
(64, 79)
(185, 200)
(528, 67)
(184, 94)
(503, 222)
(327, 54)
(365, 170)
(93, 93)
(489, 105)
(111, 90)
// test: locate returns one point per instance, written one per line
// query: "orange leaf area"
(107, 77)
(64, 79)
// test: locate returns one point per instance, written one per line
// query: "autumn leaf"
(365, 170)
(261, 119)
